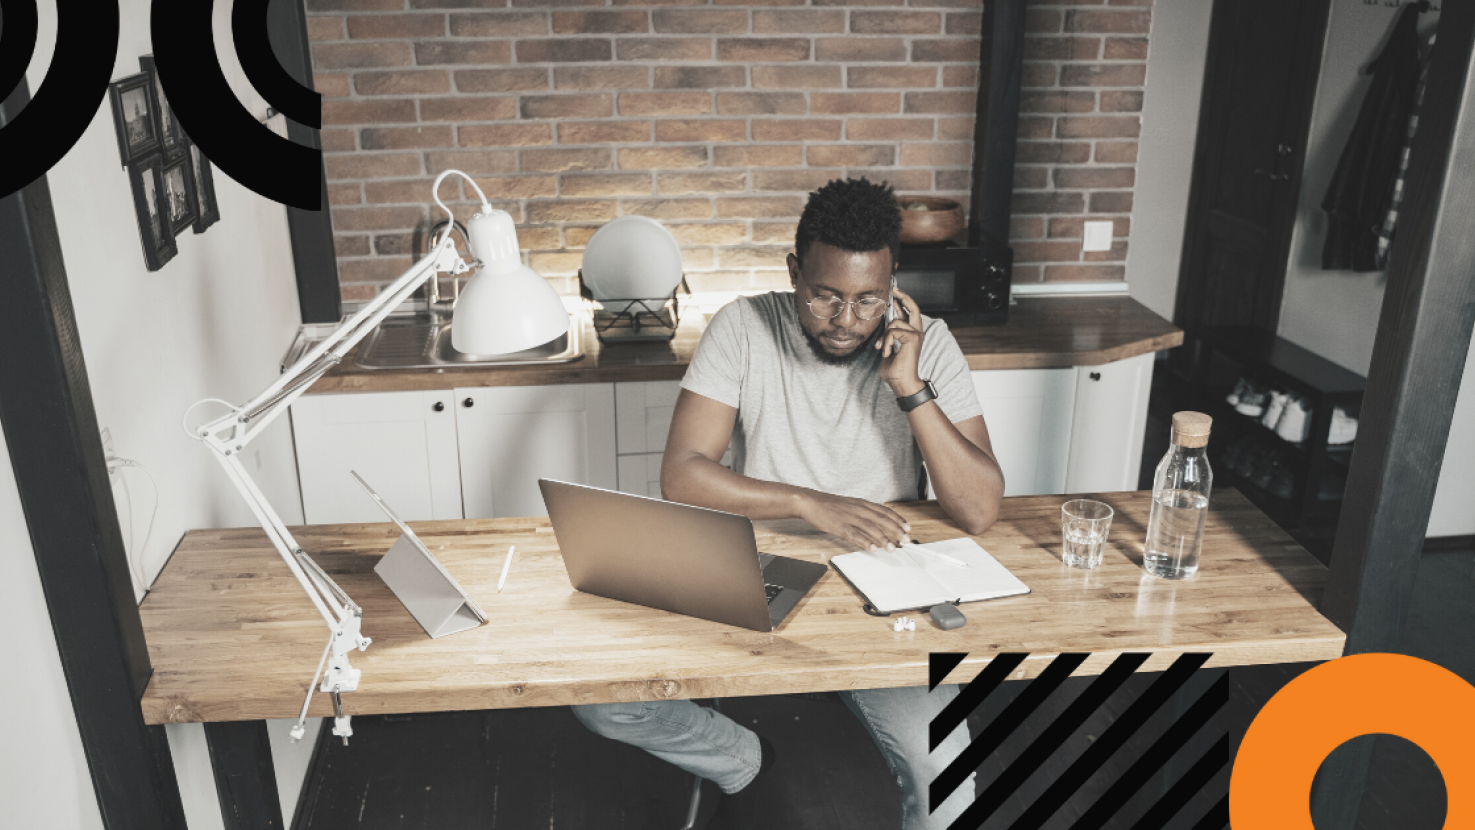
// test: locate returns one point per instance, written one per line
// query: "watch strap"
(910, 402)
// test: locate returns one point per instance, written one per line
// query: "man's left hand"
(899, 370)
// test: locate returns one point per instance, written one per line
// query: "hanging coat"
(1357, 201)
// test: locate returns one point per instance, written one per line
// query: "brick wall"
(715, 119)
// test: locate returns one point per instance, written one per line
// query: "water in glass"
(1081, 547)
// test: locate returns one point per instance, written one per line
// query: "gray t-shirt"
(801, 421)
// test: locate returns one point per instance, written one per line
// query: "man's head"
(845, 249)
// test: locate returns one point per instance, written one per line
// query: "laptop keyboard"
(772, 591)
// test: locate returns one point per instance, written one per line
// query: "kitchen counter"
(1042, 333)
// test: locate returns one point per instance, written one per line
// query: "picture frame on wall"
(171, 135)
(134, 116)
(179, 194)
(207, 210)
(154, 228)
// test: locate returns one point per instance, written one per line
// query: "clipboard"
(420, 582)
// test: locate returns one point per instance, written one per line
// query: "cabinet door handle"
(438, 406)
(1095, 376)
(468, 403)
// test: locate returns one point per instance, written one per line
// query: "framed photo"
(207, 211)
(171, 134)
(154, 229)
(179, 194)
(134, 116)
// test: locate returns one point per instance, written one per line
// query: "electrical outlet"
(1097, 236)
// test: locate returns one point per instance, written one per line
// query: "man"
(830, 413)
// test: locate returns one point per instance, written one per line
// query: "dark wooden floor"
(540, 768)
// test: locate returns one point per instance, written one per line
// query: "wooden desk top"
(233, 637)
(1042, 332)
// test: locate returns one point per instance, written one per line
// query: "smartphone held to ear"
(891, 313)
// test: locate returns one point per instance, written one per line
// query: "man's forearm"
(692, 478)
(967, 478)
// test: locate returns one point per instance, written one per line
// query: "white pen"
(951, 560)
(506, 566)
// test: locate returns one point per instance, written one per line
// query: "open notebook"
(904, 580)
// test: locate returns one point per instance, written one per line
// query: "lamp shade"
(506, 307)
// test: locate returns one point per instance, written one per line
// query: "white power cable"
(184, 421)
(135, 555)
(486, 206)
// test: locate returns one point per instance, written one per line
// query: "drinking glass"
(1083, 527)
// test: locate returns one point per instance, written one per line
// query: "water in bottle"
(1180, 500)
(1175, 533)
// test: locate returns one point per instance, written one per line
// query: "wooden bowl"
(940, 222)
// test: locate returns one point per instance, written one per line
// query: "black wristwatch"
(910, 402)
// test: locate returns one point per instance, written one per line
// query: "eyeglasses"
(826, 308)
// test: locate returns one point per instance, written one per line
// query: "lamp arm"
(229, 435)
(331, 349)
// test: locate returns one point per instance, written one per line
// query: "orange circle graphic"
(1363, 694)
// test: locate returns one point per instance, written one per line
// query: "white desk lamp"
(506, 307)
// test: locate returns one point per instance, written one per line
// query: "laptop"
(675, 557)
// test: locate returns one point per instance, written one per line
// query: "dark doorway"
(1259, 86)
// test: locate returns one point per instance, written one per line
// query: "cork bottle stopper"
(1191, 429)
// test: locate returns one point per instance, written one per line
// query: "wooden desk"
(232, 636)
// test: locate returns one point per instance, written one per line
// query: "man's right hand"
(866, 524)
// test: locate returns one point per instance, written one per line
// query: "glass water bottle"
(1180, 500)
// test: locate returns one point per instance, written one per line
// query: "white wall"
(1335, 313)
(214, 322)
(1175, 77)
(43, 773)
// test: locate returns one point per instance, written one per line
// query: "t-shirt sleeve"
(943, 363)
(720, 361)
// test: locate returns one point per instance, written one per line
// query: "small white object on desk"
(506, 566)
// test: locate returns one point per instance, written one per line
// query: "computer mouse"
(947, 616)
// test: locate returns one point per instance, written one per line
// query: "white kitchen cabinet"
(643, 411)
(402, 443)
(641, 474)
(1028, 413)
(1107, 427)
(511, 436)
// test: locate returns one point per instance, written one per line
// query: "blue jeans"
(709, 744)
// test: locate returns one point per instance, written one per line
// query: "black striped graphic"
(1063, 726)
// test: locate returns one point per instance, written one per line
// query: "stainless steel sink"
(424, 342)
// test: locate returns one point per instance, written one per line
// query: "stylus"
(506, 566)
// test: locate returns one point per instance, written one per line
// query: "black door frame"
(1418, 360)
(1308, 59)
(313, 254)
(55, 449)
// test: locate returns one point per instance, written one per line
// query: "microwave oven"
(962, 286)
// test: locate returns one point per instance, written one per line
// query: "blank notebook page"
(903, 579)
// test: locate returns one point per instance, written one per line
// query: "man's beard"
(839, 359)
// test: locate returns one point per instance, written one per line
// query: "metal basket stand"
(642, 320)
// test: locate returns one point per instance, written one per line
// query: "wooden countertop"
(1042, 332)
(233, 637)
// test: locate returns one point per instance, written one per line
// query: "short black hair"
(852, 215)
